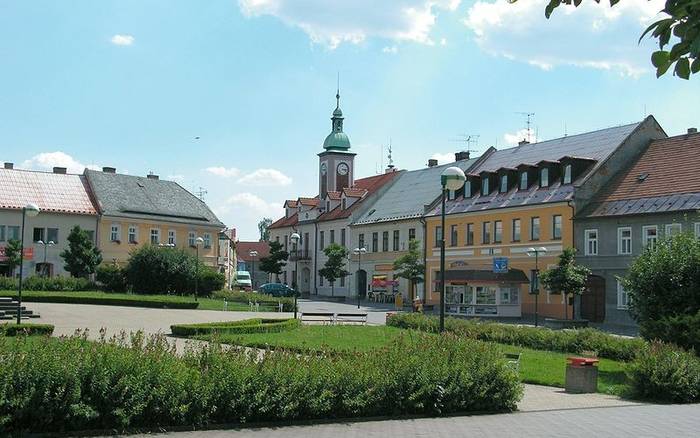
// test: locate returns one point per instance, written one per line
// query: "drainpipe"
(315, 257)
(572, 205)
(425, 259)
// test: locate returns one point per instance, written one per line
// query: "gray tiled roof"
(657, 204)
(408, 196)
(142, 198)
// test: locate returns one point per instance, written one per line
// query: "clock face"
(324, 169)
(343, 169)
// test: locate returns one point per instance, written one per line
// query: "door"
(305, 280)
(362, 282)
(593, 300)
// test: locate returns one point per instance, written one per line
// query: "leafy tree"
(335, 265)
(263, 227)
(567, 277)
(409, 266)
(662, 286)
(682, 21)
(13, 253)
(81, 257)
(275, 261)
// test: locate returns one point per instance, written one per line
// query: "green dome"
(337, 141)
(337, 113)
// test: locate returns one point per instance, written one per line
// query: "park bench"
(351, 318)
(513, 360)
(323, 317)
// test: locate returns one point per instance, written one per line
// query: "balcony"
(300, 254)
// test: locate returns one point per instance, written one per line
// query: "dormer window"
(544, 177)
(567, 174)
(504, 183)
(485, 186)
(328, 205)
(468, 189)
(523, 180)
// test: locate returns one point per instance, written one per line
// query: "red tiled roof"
(243, 250)
(668, 166)
(284, 222)
(369, 185)
(334, 196)
(291, 203)
(52, 192)
(354, 192)
(312, 202)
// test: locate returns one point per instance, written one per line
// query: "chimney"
(152, 176)
(522, 142)
(692, 130)
(109, 169)
(9, 165)
(464, 155)
(432, 162)
(61, 170)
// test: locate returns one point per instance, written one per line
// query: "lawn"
(536, 366)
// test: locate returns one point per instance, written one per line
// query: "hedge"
(69, 385)
(565, 341)
(104, 300)
(11, 329)
(254, 297)
(246, 326)
(665, 373)
(51, 284)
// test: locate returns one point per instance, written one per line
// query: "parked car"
(277, 290)
(243, 280)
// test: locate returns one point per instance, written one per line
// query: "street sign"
(500, 265)
(28, 253)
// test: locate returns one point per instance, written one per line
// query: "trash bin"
(581, 375)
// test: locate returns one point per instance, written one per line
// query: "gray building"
(656, 196)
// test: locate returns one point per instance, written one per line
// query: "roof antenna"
(391, 160)
(200, 193)
(529, 122)
(566, 132)
(469, 140)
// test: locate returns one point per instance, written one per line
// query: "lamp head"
(199, 240)
(359, 250)
(51, 243)
(295, 237)
(39, 242)
(453, 178)
(31, 210)
(253, 253)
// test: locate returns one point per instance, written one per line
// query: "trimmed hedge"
(11, 329)
(246, 326)
(51, 284)
(254, 297)
(69, 385)
(104, 300)
(565, 341)
(664, 373)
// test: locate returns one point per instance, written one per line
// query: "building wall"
(480, 255)
(610, 265)
(342, 287)
(63, 222)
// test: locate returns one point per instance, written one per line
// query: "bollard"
(581, 375)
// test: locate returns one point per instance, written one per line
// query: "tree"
(276, 260)
(409, 266)
(81, 257)
(13, 253)
(682, 21)
(567, 277)
(335, 265)
(263, 227)
(662, 287)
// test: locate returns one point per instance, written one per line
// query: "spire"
(337, 93)
(337, 140)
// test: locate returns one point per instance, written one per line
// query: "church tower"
(336, 162)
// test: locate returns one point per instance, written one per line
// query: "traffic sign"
(500, 265)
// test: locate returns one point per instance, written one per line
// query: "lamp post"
(452, 178)
(253, 253)
(359, 252)
(46, 247)
(295, 238)
(197, 243)
(535, 281)
(30, 210)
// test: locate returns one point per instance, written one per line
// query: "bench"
(513, 360)
(351, 318)
(323, 317)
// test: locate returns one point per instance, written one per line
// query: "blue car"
(276, 290)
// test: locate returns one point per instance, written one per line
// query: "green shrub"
(51, 284)
(11, 329)
(254, 297)
(247, 326)
(665, 373)
(566, 341)
(210, 280)
(683, 330)
(104, 299)
(70, 384)
(111, 278)
(8, 283)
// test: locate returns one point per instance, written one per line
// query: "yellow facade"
(479, 254)
(117, 237)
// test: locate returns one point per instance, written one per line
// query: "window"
(207, 240)
(342, 236)
(438, 236)
(567, 174)
(497, 231)
(486, 232)
(361, 240)
(485, 295)
(467, 189)
(650, 234)
(91, 235)
(321, 240)
(3, 233)
(697, 230)
(673, 229)
(485, 186)
(523, 181)
(305, 242)
(509, 294)
(192, 238)
(375, 242)
(332, 236)
(624, 240)
(52, 235)
(622, 297)
(516, 230)
(544, 177)
(171, 237)
(114, 234)
(591, 238)
(12, 232)
(453, 235)
(436, 283)
(535, 228)
(385, 241)
(131, 234)
(155, 236)
(411, 234)
(38, 234)
(504, 183)
(556, 227)
(342, 281)
(397, 235)
(470, 234)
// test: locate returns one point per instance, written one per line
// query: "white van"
(243, 280)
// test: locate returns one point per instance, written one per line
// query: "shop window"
(509, 295)
(485, 295)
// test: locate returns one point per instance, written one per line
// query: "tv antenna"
(391, 159)
(468, 139)
(200, 193)
(528, 123)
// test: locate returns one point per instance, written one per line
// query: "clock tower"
(336, 162)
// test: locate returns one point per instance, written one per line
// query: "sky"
(234, 97)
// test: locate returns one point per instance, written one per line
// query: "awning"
(483, 275)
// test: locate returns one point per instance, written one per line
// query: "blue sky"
(132, 83)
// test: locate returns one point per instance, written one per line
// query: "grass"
(536, 366)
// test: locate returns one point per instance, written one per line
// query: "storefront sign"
(500, 265)
(458, 264)
(28, 254)
(3, 257)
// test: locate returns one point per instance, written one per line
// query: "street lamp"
(359, 252)
(295, 237)
(197, 243)
(253, 253)
(452, 178)
(46, 246)
(535, 281)
(30, 210)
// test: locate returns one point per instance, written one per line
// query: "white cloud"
(516, 137)
(49, 160)
(444, 158)
(266, 178)
(332, 23)
(443, 41)
(390, 49)
(592, 35)
(122, 40)
(250, 204)
(224, 172)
